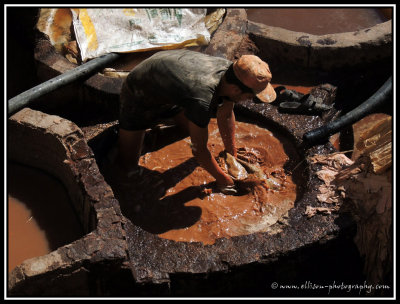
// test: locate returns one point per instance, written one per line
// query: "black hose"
(320, 134)
(22, 100)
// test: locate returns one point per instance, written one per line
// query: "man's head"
(252, 76)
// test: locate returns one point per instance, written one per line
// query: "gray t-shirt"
(182, 78)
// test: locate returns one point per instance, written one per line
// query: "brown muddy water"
(40, 217)
(319, 21)
(176, 199)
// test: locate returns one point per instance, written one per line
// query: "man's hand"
(199, 138)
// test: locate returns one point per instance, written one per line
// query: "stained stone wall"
(56, 145)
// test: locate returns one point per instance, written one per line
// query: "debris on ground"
(331, 165)
(364, 188)
(311, 211)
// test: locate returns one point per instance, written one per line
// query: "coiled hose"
(323, 133)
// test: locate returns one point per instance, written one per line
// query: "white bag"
(100, 31)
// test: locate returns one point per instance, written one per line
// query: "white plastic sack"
(100, 31)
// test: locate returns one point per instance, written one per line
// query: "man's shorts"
(135, 115)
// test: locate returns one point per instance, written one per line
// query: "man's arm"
(226, 126)
(199, 138)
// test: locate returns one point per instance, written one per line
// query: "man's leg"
(129, 149)
(181, 120)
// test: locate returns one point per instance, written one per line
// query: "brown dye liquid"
(169, 199)
(25, 237)
(40, 215)
(318, 21)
